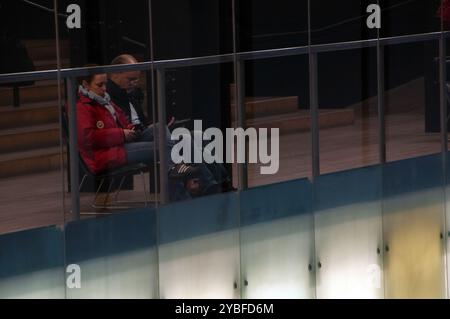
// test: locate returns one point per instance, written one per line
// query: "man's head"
(125, 80)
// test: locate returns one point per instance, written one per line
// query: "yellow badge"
(100, 124)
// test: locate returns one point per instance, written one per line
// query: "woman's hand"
(130, 135)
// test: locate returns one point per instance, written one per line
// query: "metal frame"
(217, 59)
(116, 204)
(237, 58)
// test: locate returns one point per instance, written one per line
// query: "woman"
(103, 130)
(107, 140)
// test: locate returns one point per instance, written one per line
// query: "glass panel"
(277, 241)
(108, 28)
(412, 100)
(117, 256)
(444, 15)
(199, 249)
(266, 25)
(30, 160)
(349, 234)
(110, 151)
(116, 155)
(340, 21)
(401, 17)
(348, 111)
(413, 228)
(277, 104)
(183, 29)
(30, 148)
(447, 220)
(27, 37)
(198, 102)
(32, 264)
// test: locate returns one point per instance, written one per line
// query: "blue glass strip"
(412, 175)
(194, 218)
(348, 187)
(114, 234)
(266, 203)
(30, 251)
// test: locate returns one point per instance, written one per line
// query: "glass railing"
(357, 208)
(374, 232)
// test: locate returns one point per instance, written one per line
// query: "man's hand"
(130, 135)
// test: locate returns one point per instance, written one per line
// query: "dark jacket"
(123, 99)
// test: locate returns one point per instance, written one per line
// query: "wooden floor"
(349, 147)
(38, 200)
(357, 145)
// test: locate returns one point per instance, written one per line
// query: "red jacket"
(100, 138)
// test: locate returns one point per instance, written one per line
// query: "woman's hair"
(87, 78)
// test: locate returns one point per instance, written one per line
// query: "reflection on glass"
(115, 140)
(412, 225)
(348, 111)
(30, 158)
(30, 150)
(405, 17)
(26, 47)
(199, 254)
(184, 29)
(117, 256)
(348, 230)
(108, 29)
(266, 25)
(277, 241)
(277, 98)
(199, 249)
(340, 21)
(198, 102)
(447, 219)
(32, 264)
(412, 100)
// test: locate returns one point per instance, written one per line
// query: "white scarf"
(104, 101)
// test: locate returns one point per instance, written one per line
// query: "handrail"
(222, 58)
(62, 15)
(328, 27)
(161, 65)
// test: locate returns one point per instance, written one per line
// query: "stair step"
(28, 162)
(39, 92)
(301, 120)
(28, 138)
(29, 115)
(267, 106)
(43, 65)
(45, 49)
(42, 83)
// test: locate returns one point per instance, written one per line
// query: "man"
(125, 93)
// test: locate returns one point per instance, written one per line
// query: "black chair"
(109, 176)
